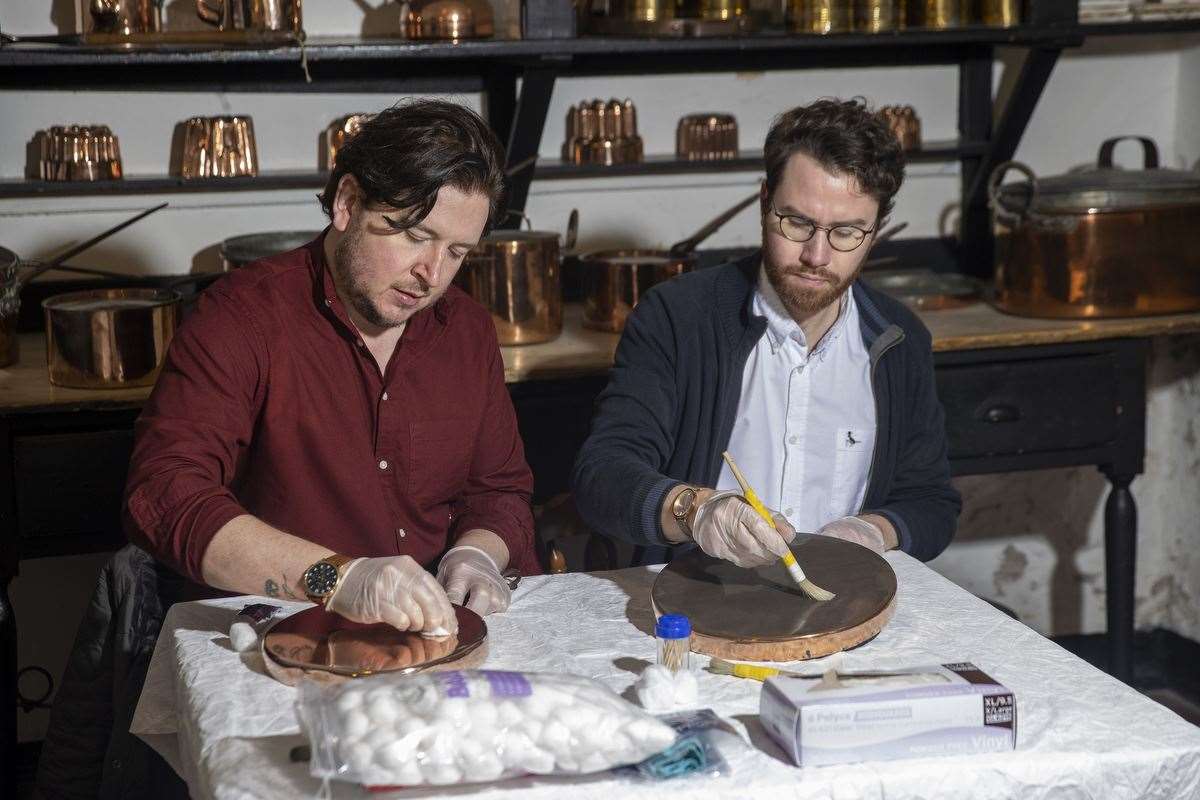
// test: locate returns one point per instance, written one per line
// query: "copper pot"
(109, 338)
(1104, 242)
(238, 251)
(516, 276)
(614, 280)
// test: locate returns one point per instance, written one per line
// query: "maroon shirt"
(270, 404)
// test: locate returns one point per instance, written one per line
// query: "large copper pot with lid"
(1103, 242)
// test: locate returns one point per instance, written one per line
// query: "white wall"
(1031, 541)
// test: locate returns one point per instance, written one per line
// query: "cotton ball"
(484, 712)
(419, 698)
(555, 736)
(578, 717)
(655, 688)
(531, 727)
(454, 710)
(242, 636)
(354, 724)
(383, 710)
(379, 738)
(509, 714)
(537, 762)
(469, 750)
(441, 774)
(649, 733)
(487, 767)
(566, 763)
(539, 705)
(619, 749)
(406, 774)
(349, 700)
(359, 757)
(515, 748)
(441, 747)
(397, 755)
(593, 762)
(687, 690)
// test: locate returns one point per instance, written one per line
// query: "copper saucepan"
(109, 338)
(614, 280)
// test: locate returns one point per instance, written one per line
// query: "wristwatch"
(322, 578)
(681, 506)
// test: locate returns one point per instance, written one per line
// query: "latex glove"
(857, 530)
(726, 527)
(467, 571)
(396, 590)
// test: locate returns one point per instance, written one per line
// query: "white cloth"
(1080, 733)
(805, 426)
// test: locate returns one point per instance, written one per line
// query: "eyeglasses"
(842, 238)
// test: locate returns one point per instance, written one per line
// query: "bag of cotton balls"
(471, 726)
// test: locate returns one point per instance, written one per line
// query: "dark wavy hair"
(846, 138)
(402, 157)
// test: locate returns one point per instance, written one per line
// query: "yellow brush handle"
(753, 672)
(757, 505)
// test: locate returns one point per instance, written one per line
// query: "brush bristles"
(816, 592)
(719, 666)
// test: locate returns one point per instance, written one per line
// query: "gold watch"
(321, 579)
(681, 506)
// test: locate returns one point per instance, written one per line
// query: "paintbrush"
(808, 587)
(719, 666)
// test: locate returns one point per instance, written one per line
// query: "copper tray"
(759, 614)
(315, 639)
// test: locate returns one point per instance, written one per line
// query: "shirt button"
(385, 395)
(362, 344)
(402, 532)
(328, 301)
(383, 463)
(788, 512)
(793, 439)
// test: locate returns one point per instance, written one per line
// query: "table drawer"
(1030, 406)
(70, 485)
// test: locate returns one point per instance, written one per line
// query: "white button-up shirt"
(805, 428)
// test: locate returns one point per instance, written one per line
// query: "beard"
(801, 301)
(354, 284)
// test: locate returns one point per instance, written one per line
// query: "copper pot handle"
(1010, 215)
(1149, 151)
(210, 12)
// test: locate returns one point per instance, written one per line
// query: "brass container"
(942, 14)
(706, 137)
(252, 15)
(336, 135)
(602, 133)
(10, 306)
(126, 17)
(78, 153)
(642, 10)
(905, 123)
(1000, 13)
(614, 281)
(109, 338)
(721, 10)
(820, 16)
(874, 16)
(449, 20)
(216, 147)
(1104, 242)
(516, 276)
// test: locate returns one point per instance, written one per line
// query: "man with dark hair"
(330, 420)
(820, 388)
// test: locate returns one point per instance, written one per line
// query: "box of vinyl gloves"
(939, 710)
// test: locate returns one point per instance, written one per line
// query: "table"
(227, 727)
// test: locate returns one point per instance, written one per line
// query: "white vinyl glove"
(396, 590)
(728, 528)
(857, 530)
(467, 571)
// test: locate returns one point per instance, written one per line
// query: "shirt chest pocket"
(853, 448)
(439, 459)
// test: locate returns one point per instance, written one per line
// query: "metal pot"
(109, 338)
(614, 280)
(1103, 242)
(238, 251)
(516, 276)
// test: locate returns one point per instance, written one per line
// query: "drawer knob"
(1002, 413)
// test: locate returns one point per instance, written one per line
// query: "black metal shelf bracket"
(526, 121)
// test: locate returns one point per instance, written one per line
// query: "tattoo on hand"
(287, 589)
(271, 588)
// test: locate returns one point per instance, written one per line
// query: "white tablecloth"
(227, 727)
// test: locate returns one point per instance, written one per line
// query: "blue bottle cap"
(673, 626)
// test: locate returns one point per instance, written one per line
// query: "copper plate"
(762, 605)
(314, 639)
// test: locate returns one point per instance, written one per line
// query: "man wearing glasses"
(821, 388)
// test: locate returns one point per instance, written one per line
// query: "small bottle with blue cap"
(674, 635)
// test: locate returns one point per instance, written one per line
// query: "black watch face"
(320, 578)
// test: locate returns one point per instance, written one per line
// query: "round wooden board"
(328, 648)
(761, 615)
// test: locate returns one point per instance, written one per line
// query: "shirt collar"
(780, 325)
